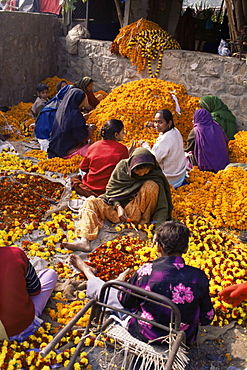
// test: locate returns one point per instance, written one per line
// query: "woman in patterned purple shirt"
(168, 275)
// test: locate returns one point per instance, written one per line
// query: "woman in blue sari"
(69, 132)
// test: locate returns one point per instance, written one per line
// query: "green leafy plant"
(70, 4)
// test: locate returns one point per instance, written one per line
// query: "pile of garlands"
(142, 42)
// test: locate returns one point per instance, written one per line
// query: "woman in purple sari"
(210, 151)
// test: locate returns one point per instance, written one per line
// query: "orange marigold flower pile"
(136, 102)
(17, 123)
(221, 198)
(238, 147)
(21, 113)
(52, 82)
(143, 41)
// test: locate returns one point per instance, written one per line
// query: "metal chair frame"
(99, 308)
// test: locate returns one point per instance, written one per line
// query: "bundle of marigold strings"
(142, 42)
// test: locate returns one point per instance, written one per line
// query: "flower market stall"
(213, 206)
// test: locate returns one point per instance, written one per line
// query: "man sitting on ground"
(168, 275)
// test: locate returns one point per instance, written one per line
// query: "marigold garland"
(143, 41)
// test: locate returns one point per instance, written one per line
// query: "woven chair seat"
(151, 353)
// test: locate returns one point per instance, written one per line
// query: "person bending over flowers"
(186, 286)
(137, 190)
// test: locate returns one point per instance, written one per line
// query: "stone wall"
(28, 46)
(201, 73)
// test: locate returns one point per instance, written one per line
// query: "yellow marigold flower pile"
(52, 82)
(238, 148)
(221, 198)
(136, 102)
(11, 162)
(64, 166)
(143, 41)
(224, 260)
(66, 311)
(26, 356)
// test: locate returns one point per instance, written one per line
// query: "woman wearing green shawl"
(137, 191)
(220, 113)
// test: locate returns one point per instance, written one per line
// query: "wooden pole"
(119, 13)
(126, 13)
(232, 28)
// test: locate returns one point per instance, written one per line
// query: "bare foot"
(83, 246)
(82, 266)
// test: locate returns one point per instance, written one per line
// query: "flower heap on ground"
(25, 355)
(25, 199)
(136, 102)
(64, 166)
(20, 115)
(142, 42)
(10, 163)
(10, 127)
(238, 147)
(224, 260)
(221, 198)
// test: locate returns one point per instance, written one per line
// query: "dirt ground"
(219, 349)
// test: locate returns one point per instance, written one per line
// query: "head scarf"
(69, 127)
(83, 83)
(59, 85)
(210, 151)
(220, 113)
(124, 184)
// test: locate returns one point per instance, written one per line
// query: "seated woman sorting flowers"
(137, 190)
(69, 132)
(100, 160)
(168, 148)
(210, 149)
(168, 275)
